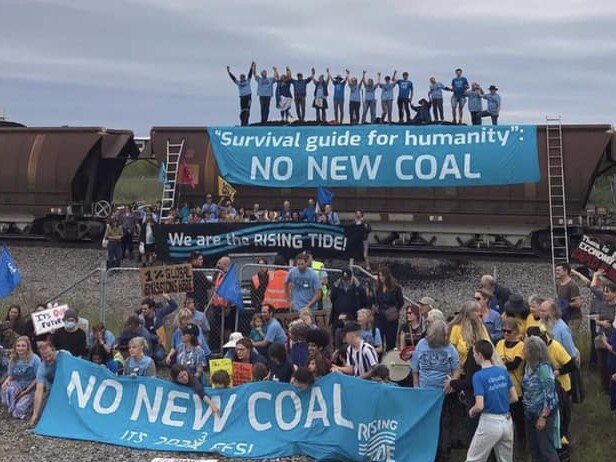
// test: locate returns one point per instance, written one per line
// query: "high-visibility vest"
(217, 300)
(318, 267)
(276, 294)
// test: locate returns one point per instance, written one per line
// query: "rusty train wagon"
(59, 181)
(510, 215)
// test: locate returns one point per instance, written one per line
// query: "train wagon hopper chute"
(59, 182)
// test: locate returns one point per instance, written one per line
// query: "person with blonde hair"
(138, 363)
(466, 329)
(369, 332)
(19, 385)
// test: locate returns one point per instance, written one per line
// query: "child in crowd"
(298, 346)
(302, 378)
(307, 317)
(18, 387)
(220, 379)
(138, 364)
(316, 365)
(257, 333)
(380, 374)
(280, 368)
(260, 372)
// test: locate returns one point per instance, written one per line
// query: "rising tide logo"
(377, 440)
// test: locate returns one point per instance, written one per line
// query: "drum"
(399, 369)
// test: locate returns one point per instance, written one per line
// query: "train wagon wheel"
(102, 209)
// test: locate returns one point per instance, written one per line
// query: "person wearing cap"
(339, 86)
(387, 96)
(346, 297)
(494, 104)
(70, 337)
(361, 357)
(303, 285)
(190, 354)
(426, 304)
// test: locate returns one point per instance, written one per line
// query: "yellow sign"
(225, 189)
(222, 365)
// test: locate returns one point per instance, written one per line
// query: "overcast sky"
(139, 63)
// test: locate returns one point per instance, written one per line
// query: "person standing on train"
(320, 97)
(405, 97)
(339, 86)
(299, 94)
(243, 86)
(494, 104)
(435, 95)
(459, 85)
(387, 97)
(369, 98)
(265, 91)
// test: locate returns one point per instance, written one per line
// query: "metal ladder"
(559, 239)
(174, 152)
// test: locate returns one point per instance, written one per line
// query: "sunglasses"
(477, 298)
(507, 331)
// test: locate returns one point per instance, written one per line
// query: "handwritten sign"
(48, 320)
(171, 279)
(222, 365)
(242, 373)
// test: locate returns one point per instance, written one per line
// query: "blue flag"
(230, 289)
(324, 196)
(10, 277)
(162, 173)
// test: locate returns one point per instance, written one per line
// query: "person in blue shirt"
(339, 86)
(369, 98)
(423, 112)
(138, 364)
(435, 95)
(494, 104)
(475, 103)
(494, 392)
(387, 96)
(299, 94)
(209, 208)
(459, 85)
(265, 91)
(274, 333)
(309, 213)
(491, 318)
(405, 97)
(302, 285)
(320, 97)
(18, 387)
(355, 98)
(45, 375)
(243, 86)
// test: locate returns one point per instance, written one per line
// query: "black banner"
(176, 242)
(597, 253)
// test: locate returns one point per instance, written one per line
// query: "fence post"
(103, 296)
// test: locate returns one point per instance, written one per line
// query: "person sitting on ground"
(257, 331)
(494, 392)
(138, 364)
(184, 319)
(18, 387)
(245, 352)
(101, 336)
(70, 337)
(198, 317)
(274, 333)
(260, 372)
(298, 346)
(99, 355)
(220, 379)
(306, 315)
(14, 320)
(317, 365)
(280, 368)
(423, 116)
(181, 375)
(361, 357)
(302, 378)
(369, 332)
(44, 378)
(153, 319)
(380, 374)
(132, 328)
(191, 354)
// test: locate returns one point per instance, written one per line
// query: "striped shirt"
(363, 359)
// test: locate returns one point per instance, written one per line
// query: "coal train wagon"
(59, 182)
(516, 216)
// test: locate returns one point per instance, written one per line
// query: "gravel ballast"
(47, 271)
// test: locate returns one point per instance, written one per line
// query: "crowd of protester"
(363, 91)
(508, 366)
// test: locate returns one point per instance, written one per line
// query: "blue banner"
(377, 156)
(330, 420)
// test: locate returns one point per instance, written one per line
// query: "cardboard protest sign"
(170, 279)
(48, 320)
(242, 373)
(222, 365)
(597, 253)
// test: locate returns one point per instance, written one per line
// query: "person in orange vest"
(221, 308)
(275, 293)
(259, 284)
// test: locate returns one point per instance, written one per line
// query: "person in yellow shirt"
(517, 308)
(466, 329)
(533, 319)
(511, 351)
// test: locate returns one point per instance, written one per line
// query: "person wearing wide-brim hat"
(494, 104)
(517, 308)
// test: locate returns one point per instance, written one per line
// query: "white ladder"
(556, 192)
(174, 152)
